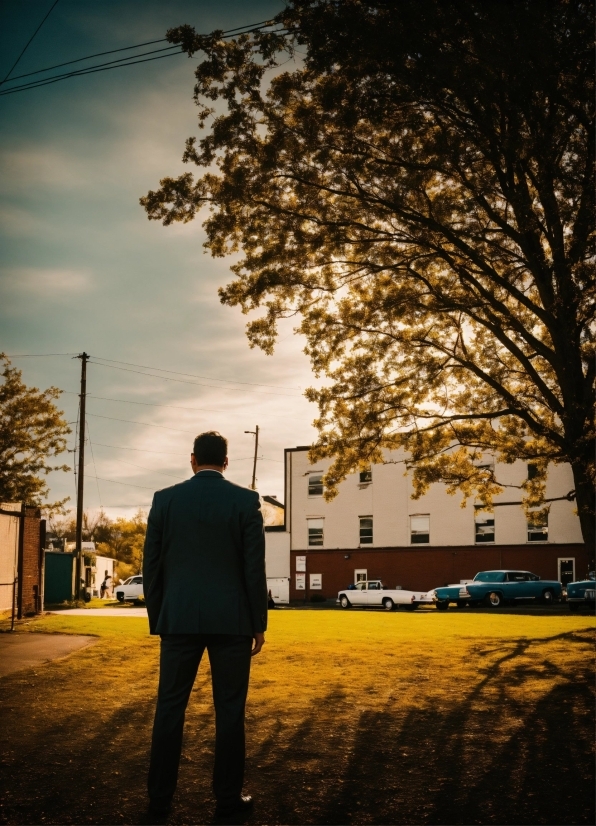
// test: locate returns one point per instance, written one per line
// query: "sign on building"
(300, 582)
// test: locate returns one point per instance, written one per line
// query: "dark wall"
(30, 562)
(425, 568)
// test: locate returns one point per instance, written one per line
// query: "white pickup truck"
(374, 594)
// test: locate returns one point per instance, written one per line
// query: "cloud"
(30, 167)
(48, 283)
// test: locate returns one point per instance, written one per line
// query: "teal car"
(582, 593)
(495, 588)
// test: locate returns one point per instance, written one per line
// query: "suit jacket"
(204, 559)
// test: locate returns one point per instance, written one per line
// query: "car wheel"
(442, 605)
(548, 597)
(388, 604)
(120, 596)
(345, 602)
(573, 606)
(494, 599)
(461, 603)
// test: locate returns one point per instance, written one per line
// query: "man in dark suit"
(205, 588)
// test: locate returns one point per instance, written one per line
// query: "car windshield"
(490, 576)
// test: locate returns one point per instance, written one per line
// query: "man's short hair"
(210, 448)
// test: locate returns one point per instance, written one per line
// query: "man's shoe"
(157, 812)
(234, 808)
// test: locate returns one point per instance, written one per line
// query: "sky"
(82, 268)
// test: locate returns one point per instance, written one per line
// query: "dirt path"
(19, 651)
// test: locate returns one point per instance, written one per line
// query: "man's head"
(210, 450)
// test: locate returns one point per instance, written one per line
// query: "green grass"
(352, 718)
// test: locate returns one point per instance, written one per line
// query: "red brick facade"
(423, 568)
(31, 542)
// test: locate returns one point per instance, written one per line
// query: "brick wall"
(425, 568)
(30, 562)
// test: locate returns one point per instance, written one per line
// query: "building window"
(360, 575)
(420, 529)
(315, 484)
(316, 582)
(366, 476)
(315, 532)
(366, 530)
(484, 526)
(538, 527)
(532, 471)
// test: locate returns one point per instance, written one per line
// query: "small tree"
(32, 431)
(125, 543)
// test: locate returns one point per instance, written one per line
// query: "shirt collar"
(209, 470)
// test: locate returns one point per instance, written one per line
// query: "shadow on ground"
(514, 748)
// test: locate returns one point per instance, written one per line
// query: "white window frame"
(421, 533)
(367, 471)
(372, 535)
(478, 516)
(313, 475)
(310, 520)
(528, 529)
(360, 575)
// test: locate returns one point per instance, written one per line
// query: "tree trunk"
(586, 505)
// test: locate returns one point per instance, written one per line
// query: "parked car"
(130, 589)
(582, 592)
(494, 588)
(374, 594)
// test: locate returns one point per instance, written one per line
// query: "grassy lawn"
(352, 718)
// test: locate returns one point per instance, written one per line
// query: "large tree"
(32, 431)
(418, 187)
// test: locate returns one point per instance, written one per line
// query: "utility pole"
(255, 433)
(81, 480)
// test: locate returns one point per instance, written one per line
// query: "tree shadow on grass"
(515, 749)
(485, 758)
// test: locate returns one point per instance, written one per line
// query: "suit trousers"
(229, 656)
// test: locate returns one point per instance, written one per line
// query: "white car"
(130, 589)
(374, 594)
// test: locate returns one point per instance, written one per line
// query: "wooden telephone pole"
(255, 433)
(81, 479)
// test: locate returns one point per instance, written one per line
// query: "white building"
(374, 529)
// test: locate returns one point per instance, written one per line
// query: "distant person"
(204, 565)
(104, 588)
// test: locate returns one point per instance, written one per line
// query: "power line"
(93, 459)
(29, 42)
(116, 482)
(182, 381)
(149, 404)
(89, 57)
(142, 450)
(193, 375)
(125, 61)
(151, 470)
(125, 49)
(145, 424)
(91, 71)
(38, 355)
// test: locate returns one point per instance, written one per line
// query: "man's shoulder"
(240, 492)
(168, 493)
